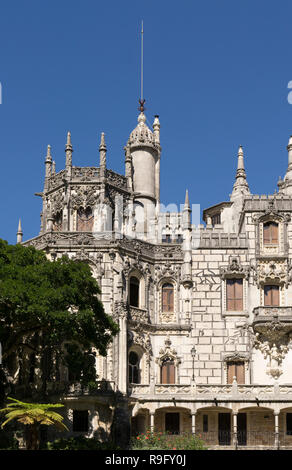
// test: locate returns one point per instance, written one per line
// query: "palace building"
(204, 311)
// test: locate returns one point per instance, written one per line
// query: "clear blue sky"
(215, 72)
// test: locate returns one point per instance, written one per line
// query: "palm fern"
(33, 415)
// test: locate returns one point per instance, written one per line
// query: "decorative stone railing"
(210, 239)
(85, 173)
(57, 180)
(139, 389)
(273, 312)
(138, 314)
(176, 389)
(213, 392)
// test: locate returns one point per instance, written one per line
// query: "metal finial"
(141, 107)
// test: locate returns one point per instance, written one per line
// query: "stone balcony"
(139, 315)
(274, 324)
(213, 393)
(273, 313)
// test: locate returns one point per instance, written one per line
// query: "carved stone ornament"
(85, 196)
(168, 353)
(167, 271)
(141, 338)
(272, 339)
(275, 271)
(57, 202)
(234, 269)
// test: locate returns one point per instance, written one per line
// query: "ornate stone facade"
(227, 300)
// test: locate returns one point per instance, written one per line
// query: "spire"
(240, 186)
(53, 168)
(187, 202)
(102, 154)
(156, 129)
(68, 152)
(48, 168)
(19, 233)
(187, 212)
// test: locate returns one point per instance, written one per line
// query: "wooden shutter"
(266, 234)
(230, 294)
(238, 301)
(167, 298)
(230, 372)
(234, 293)
(267, 296)
(240, 373)
(271, 230)
(275, 296)
(168, 373)
(274, 233)
(271, 296)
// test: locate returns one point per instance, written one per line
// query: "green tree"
(33, 415)
(44, 304)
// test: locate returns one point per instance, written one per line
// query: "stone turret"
(143, 158)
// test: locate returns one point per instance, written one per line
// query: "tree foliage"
(33, 415)
(46, 303)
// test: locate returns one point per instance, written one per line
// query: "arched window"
(85, 220)
(57, 222)
(271, 233)
(167, 371)
(167, 298)
(134, 291)
(134, 371)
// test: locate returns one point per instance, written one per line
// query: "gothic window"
(179, 239)
(167, 298)
(235, 369)
(134, 371)
(80, 420)
(57, 222)
(234, 294)
(134, 291)
(216, 219)
(167, 371)
(271, 296)
(85, 220)
(270, 233)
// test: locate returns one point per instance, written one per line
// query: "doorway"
(172, 423)
(224, 429)
(241, 429)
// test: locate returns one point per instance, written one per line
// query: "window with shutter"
(235, 369)
(168, 372)
(234, 294)
(271, 236)
(271, 296)
(167, 298)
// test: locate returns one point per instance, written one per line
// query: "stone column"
(152, 413)
(234, 414)
(193, 423)
(276, 414)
